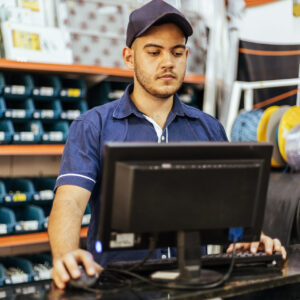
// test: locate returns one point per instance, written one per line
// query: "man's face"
(160, 60)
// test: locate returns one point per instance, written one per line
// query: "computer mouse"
(83, 281)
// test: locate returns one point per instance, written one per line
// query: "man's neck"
(156, 108)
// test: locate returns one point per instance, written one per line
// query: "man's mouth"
(167, 76)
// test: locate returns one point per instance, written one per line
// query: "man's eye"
(153, 53)
(177, 54)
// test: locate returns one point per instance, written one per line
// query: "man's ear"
(128, 57)
(187, 51)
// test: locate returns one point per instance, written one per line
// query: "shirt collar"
(126, 107)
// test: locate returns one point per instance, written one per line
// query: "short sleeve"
(81, 156)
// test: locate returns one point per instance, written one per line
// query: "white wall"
(271, 23)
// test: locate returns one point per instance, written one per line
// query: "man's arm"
(64, 233)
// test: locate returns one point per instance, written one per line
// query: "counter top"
(250, 283)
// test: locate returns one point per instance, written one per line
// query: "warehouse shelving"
(43, 160)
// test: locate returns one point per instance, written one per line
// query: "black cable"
(152, 245)
(178, 286)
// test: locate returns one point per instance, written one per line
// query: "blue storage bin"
(86, 217)
(7, 221)
(2, 107)
(41, 264)
(29, 132)
(47, 210)
(2, 83)
(29, 218)
(47, 109)
(44, 189)
(18, 108)
(187, 95)
(17, 85)
(45, 87)
(72, 88)
(2, 191)
(55, 132)
(6, 131)
(18, 190)
(105, 92)
(11, 265)
(72, 109)
(2, 276)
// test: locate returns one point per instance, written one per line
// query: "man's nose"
(167, 60)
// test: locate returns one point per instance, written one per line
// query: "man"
(149, 110)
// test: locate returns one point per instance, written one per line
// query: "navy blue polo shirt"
(120, 120)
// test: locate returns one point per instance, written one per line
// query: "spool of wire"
(292, 148)
(277, 160)
(245, 126)
(289, 120)
(262, 126)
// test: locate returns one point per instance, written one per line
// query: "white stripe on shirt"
(78, 175)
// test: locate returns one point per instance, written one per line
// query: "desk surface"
(239, 285)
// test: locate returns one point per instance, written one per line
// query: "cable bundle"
(245, 126)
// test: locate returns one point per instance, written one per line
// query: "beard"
(163, 92)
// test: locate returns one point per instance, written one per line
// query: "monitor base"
(173, 277)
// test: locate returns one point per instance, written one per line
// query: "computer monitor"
(182, 193)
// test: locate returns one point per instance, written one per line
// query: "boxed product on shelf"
(35, 43)
(97, 30)
(72, 88)
(6, 131)
(17, 270)
(72, 109)
(27, 132)
(95, 16)
(97, 49)
(47, 109)
(45, 87)
(44, 189)
(17, 85)
(18, 190)
(7, 221)
(18, 108)
(55, 132)
(29, 218)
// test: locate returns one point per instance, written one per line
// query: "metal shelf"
(30, 243)
(12, 65)
(31, 150)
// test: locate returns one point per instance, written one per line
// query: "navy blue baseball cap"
(152, 13)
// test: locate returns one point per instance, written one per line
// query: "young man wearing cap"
(149, 110)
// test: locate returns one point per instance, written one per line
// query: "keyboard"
(209, 260)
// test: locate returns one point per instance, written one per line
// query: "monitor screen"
(161, 189)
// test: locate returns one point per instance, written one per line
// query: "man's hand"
(67, 266)
(266, 244)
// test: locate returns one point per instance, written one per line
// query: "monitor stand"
(189, 260)
(189, 263)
